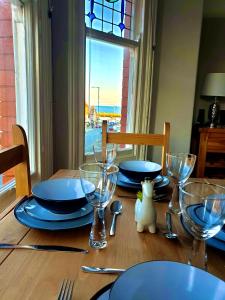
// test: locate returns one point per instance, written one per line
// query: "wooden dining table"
(26, 274)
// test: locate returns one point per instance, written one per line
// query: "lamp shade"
(214, 85)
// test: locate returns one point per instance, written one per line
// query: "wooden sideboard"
(211, 153)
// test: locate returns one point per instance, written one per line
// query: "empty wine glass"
(179, 168)
(203, 215)
(105, 154)
(105, 184)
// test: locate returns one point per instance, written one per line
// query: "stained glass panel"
(117, 13)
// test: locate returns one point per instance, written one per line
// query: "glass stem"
(174, 206)
(198, 256)
(98, 233)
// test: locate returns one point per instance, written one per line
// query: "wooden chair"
(139, 139)
(18, 156)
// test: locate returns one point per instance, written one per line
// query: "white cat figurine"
(145, 213)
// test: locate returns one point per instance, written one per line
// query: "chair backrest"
(17, 156)
(138, 139)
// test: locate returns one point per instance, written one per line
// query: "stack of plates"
(217, 241)
(56, 205)
(153, 280)
(134, 171)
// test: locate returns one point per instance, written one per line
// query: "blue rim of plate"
(215, 242)
(165, 182)
(69, 189)
(25, 219)
(195, 269)
(101, 292)
(37, 211)
(134, 166)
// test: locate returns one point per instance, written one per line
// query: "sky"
(104, 64)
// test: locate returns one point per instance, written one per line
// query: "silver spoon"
(116, 208)
(170, 234)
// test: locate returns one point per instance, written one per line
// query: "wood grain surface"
(38, 274)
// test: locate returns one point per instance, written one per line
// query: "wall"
(211, 58)
(178, 36)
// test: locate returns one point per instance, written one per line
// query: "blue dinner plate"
(153, 280)
(103, 294)
(157, 181)
(61, 189)
(26, 219)
(123, 181)
(35, 210)
(137, 170)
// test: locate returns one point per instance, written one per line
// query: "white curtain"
(145, 72)
(76, 83)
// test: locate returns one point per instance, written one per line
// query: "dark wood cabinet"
(211, 152)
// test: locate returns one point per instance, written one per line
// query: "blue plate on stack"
(132, 172)
(153, 280)
(217, 241)
(124, 181)
(56, 204)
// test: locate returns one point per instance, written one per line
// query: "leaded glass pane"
(117, 5)
(107, 27)
(116, 17)
(108, 13)
(107, 4)
(97, 24)
(116, 30)
(98, 11)
(118, 13)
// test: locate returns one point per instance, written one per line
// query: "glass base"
(97, 244)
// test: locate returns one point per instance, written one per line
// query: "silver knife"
(43, 248)
(102, 270)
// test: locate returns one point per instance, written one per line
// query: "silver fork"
(66, 290)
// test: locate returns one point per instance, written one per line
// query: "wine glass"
(179, 168)
(105, 154)
(203, 215)
(105, 184)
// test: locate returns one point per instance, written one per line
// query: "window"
(111, 54)
(25, 84)
(13, 81)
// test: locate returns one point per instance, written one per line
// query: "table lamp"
(214, 86)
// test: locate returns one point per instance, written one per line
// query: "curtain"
(76, 82)
(145, 72)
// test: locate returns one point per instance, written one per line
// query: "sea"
(108, 109)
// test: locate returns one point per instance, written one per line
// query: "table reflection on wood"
(37, 275)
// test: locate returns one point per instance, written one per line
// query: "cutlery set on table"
(142, 280)
(67, 203)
